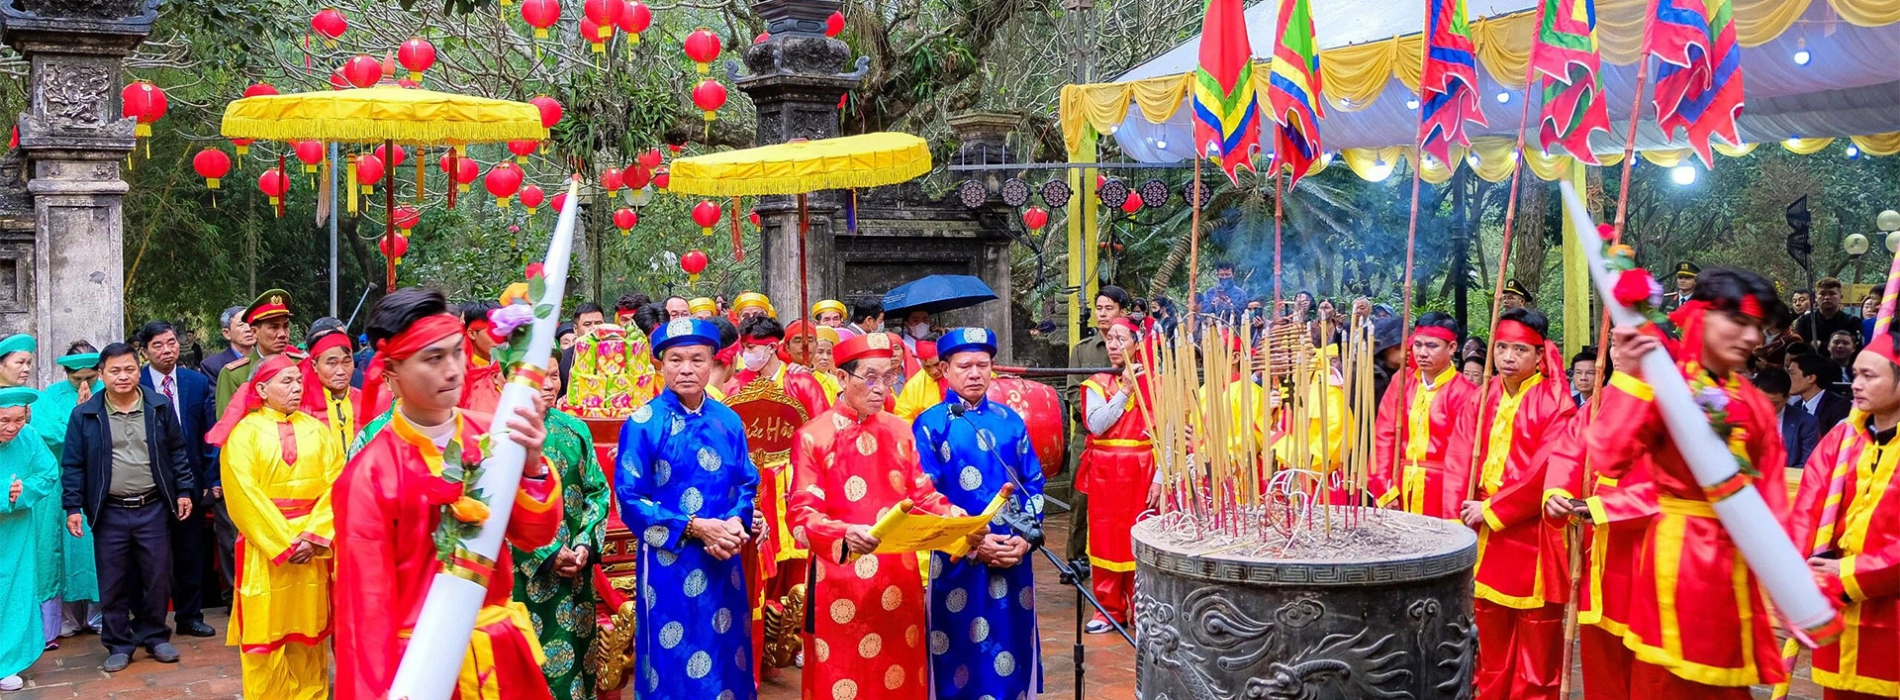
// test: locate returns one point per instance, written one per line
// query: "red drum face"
(1041, 409)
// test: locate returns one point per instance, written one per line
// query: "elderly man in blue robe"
(686, 487)
(983, 640)
(28, 476)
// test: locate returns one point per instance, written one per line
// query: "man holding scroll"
(850, 466)
(394, 496)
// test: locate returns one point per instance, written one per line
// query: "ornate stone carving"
(74, 93)
(79, 9)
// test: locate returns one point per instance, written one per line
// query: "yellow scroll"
(901, 531)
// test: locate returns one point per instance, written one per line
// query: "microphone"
(957, 409)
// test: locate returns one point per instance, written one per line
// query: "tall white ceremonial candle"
(433, 660)
(1782, 570)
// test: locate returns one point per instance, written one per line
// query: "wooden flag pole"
(1194, 242)
(1497, 290)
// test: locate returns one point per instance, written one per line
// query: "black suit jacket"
(1799, 435)
(197, 399)
(87, 463)
(1831, 411)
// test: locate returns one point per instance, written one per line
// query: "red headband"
(1125, 323)
(1512, 331)
(758, 339)
(424, 332)
(1438, 332)
(246, 399)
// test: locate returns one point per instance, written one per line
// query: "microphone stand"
(1030, 529)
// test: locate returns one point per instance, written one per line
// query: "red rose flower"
(1606, 232)
(441, 491)
(1632, 287)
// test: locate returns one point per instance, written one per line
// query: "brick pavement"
(208, 669)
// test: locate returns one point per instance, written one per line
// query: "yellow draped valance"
(1355, 75)
(1490, 157)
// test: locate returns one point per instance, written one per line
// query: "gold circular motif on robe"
(692, 501)
(979, 629)
(867, 444)
(855, 489)
(824, 649)
(870, 645)
(722, 620)
(893, 597)
(943, 450)
(842, 611)
(939, 643)
(1027, 598)
(662, 472)
(846, 689)
(912, 635)
(894, 677)
(1005, 663)
(699, 665)
(897, 480)
(956, 600)
(999, 587)
(695, 583)
(866, 566)
(671, 634)
(985, 439)
(838, 421)
(655, 535)
(970, 478)
(708, 459)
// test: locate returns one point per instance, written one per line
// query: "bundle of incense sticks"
(1258, 433)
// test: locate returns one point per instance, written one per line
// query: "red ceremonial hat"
(867, 346)
(926, 349)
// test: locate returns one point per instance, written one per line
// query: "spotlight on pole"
(1683, 175)
(1801, 54)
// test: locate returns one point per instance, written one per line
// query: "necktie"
(166, 386)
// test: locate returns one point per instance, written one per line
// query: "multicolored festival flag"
(1569, 63)
(1699, 83)
(1226, 109)
(1448, 88)
(1293, 90)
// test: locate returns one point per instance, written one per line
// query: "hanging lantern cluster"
(462, 170)
(702, 46)
(394, 247)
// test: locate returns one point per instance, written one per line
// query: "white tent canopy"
(1850, 87)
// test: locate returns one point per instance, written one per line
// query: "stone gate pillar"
(74, 141)
(795, 80)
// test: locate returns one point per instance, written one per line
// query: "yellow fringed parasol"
(800, 167)
(383, 113)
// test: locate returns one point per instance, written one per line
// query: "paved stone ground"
(208, 669)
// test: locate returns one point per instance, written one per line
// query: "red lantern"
(550, 110)
(589, 30)
(652, 158)
(503, 181)
(274, 185)
(560, 202)
(465, 170)
(339, 81)
(638, 176)
(369, 171)
(260, 90)
(709, 96)
(604, 13)
(145, 102)
(834, 25)
(625, 219)
(211, 164)
(1035, 218)
(753, 217)
(693, 263)
(401, 155)
(661, 178)
(522, 149)
(1133, 204)
(329, 23)
(310, 152)
(394, 247)
(532, 197)
(541, 14)
(703, 47)
(612, 180)
(243, 146)
(417, 55)
(363, 71)
(706, 214)
(762, 38)
(634, 19)
(406, 218)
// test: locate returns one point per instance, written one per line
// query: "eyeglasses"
(888, 379)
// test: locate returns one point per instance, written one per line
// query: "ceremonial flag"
(1226, 110)
(1569, 63)
(1713, 113)
(1293, 89)
(1448, 88)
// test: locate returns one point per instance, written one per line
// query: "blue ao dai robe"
(983, 637)
(694, 627)
(25, 458)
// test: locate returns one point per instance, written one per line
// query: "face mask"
(755, 357)
(919, 330)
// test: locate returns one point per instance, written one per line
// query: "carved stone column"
(74, 140)
(795, 80)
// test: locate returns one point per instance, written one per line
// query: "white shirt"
(1809, 405)
(158, 385)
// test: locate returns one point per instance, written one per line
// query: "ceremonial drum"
(1382, 613)
(1041, 408)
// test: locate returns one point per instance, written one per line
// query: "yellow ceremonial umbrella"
(384, 113)
(801, 167)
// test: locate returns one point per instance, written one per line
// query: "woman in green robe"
(72, 573)
(29, 476)
(556, 582)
